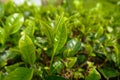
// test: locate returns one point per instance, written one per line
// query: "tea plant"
(67, 40)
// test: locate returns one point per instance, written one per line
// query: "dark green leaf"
(20, 73)
(54, 78)
(72, 47)
(57, 66)
(108, 72)
(27, 49)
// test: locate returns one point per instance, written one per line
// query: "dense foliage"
(67, 40)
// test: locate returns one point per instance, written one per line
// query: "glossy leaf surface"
(13, 23)
(57, 66)
(72, 47)
(60, 38)
(60, 34)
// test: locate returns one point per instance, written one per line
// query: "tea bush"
(67, 40)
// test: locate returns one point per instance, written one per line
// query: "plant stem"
(52, 58)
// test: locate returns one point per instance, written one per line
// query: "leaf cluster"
(65, 40)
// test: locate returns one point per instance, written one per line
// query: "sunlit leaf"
(27, 49)
(93, 75)
(60, 34)
(60, 38)
(13, 23)
(2, 35)
(30, 28)
(71, 62)
(99, 32)
(1, 10)
(48, 31)
(59, 22)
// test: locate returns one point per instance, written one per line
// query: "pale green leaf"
(13, 23)
(2, 35)
(60, 38)
(71, 62)
(48, 31)
(27, 49)
(1, 10)
(60, 21)
(30, 27)
(99, 32)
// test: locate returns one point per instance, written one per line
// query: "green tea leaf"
(1, 76)
(60, 38)
(54, 78)
(99, 32)
(27, 49)
(72, 47)
(1, 10)
(13, 23)
(57, 66)
(3, 59)
(12, 67)
(93, 75)
(116, 49)
(48, 31)
(71, 62)
(108, 72)
(20, 73)
(60, 21)
(2, 35)
(30, 28)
